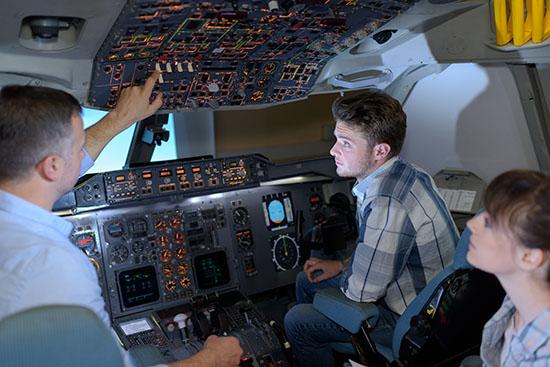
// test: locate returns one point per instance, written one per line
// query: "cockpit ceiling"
(216, 54)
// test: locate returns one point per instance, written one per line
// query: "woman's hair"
(520, 201)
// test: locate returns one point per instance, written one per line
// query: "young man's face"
(351, 152)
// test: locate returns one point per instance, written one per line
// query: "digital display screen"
(138, 286)
(278, 212)
(211, 270)
(135, 326)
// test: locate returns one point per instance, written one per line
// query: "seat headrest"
(59, 335)
(461, 250)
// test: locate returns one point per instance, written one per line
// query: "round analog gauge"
(240, 216)
(115, 229)
(185, 282)
(182, 267)
(170, 285)
(163, 241)
(286, 252)
(179, 237)
(119, 254)
(165, 255)
(86, 242)
(176, 222)
(160, 225)
(167, 271)
(138, 247)
(181, 252)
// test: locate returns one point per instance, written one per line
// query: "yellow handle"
(537, 12)
(521, 25)
(547, 21)
(502, 25)
(526, 21)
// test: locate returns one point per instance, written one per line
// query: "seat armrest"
(349, 314)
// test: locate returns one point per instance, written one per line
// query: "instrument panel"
(161, 253)
(219, 53)
(185, 178)
(150, 255)
(162, 256)
(175, 245)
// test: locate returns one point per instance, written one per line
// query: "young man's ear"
(51, 167)
(381, 151)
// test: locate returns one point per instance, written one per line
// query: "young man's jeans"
(311, 333)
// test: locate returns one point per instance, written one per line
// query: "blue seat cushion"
(349, 314)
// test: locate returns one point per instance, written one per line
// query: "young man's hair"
(379, 116)
(34, 122)
(519, 201)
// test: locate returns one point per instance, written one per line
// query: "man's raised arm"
(133, 105)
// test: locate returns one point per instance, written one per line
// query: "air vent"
(50, 33)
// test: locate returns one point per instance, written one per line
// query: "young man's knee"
(291, 320)
(296, 318)
(302, 284)
(301, 281)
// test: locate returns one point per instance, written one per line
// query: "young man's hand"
(318, 270)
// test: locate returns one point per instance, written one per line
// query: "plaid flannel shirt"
(530, 346)
(406, 236)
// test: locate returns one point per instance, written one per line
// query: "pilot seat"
(441, 327)
(65, 336)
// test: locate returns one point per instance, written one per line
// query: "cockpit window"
(113, 157)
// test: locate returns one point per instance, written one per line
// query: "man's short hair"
(379, 116)
(34, 122)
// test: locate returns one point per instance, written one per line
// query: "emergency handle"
(520, 21)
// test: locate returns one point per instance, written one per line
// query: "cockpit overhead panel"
(230, 53)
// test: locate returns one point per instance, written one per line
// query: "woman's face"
(492, 248)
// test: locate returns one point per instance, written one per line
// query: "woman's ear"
(533, 258)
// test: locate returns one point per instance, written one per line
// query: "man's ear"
(51, 167)
(381, 151)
